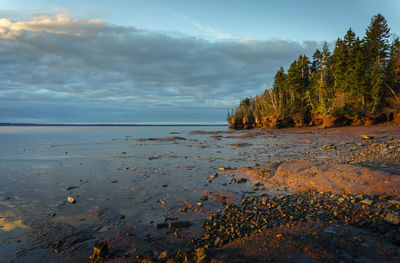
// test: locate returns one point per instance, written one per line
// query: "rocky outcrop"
(314, 119)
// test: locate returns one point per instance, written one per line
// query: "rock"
(181, 256)
(213, 176)
(100, 250)
(204, 198)
(179, 224)
(367, 201)
(183, 209)
(163, 255)
(365, 137)
(393, 218)
(200, 254)
(199, 204)
(162, 225)
(71, 200)
(222, 169)
(121, 217)
(242, 181)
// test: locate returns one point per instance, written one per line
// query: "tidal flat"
(199, 193)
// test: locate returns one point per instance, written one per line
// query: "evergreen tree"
(377, 49)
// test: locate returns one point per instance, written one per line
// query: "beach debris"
(71, 200)
(100, 250)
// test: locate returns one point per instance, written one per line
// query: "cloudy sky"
(67, 61)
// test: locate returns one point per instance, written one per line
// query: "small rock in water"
(242, 181)
(121, 217)
(162, 225)
(183, 209)
(204, 198)
(199, 204)
(100, 250)
(213, 176)
(71, 200)
(179, 224)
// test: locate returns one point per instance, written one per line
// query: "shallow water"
(122, 187)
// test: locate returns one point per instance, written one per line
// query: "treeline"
(360, 79)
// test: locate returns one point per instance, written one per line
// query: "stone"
(367, 201)
(213, 176)
(71, 200)
(366, 137)
(100, 250)
(204, 198)
(162, 225)
(393, 218)
(163, 255)
(200, 254)
(242, 181)
(179, 224)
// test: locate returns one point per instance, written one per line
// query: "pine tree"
(377, 49)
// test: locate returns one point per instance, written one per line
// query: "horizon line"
(99, 124)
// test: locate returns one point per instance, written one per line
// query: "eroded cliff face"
(328, 121)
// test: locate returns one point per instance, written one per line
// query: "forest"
(358, 83)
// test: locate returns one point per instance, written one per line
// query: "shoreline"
(249, 195)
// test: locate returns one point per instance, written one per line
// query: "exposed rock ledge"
(314, 120)
(337, 178)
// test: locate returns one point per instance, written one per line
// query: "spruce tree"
(377, 49)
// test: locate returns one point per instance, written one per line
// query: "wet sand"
(130, 192)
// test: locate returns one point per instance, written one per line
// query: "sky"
(100, 61)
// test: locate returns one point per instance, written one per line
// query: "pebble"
(100, 250)
(71, 200)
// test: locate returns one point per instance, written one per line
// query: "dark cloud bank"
(65, 70)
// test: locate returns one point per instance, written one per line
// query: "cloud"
(59, 24)
(126, 72)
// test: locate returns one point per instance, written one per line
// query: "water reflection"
(8, 222)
